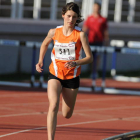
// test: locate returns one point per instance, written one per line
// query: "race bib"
(64, 51)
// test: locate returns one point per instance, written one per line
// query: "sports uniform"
(66, 48)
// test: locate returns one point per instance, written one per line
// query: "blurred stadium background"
(29, 21)
(23, 26)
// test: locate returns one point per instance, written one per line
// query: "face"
(70, 18)
(96, 8)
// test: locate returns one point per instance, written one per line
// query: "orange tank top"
(66, 48)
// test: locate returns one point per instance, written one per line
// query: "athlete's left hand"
(70, 64)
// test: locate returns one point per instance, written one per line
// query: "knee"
(53, 107)
(67, 115)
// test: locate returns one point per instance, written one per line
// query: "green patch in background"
(135, 139)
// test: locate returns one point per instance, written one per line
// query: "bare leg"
(68, 101)
(54, 90)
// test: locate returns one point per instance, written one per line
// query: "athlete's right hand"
(39, 67)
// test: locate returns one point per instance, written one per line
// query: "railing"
(118, 46)
(114, 10)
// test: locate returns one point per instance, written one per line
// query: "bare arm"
(43, 49)
(87, 50)
(85, 28)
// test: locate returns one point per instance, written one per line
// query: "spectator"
(97, 29)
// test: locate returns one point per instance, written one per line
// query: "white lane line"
(75, 111)
(132, 119)
(26, 114)
(23, 104)
(7, 108)
(78, 100)
(22, 131)
(22, 114)
(112, 108)
(17, 110)
(106, 99)
(71, 124)
(79, 123)
(23, 95)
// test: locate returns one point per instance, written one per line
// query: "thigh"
(54, 89)
(71, 83)
(68, 99)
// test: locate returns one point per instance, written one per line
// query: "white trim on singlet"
(59, 26)
(75, 71)
(54, 64)
(76, 27)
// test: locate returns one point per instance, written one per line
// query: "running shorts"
(69, 83)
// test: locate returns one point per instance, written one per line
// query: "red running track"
(96, 115)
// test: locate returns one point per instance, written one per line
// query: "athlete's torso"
(66, 48)
(97, 26)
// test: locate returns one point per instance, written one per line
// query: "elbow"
(90, 59)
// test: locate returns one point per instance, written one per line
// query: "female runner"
(66, 64)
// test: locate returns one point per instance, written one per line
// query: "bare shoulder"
(51, 33)
(83, 35)
(84, 39)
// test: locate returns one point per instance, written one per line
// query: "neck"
(67, 30)
(96, 14)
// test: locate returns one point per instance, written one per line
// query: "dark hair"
(74, 7)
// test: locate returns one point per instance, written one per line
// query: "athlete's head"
(96, 8)
(71, 14)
